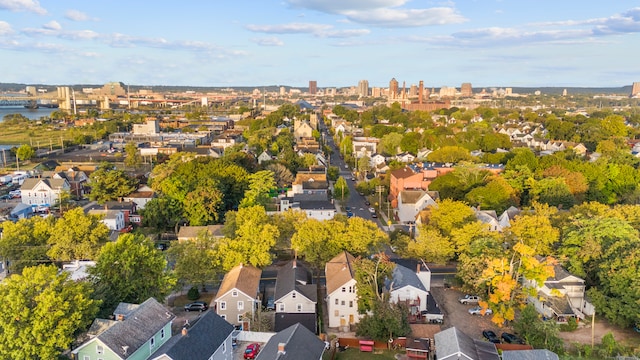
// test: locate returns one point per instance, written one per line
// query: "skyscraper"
(635, 89)
(363, 88)
(466, 90)
(393, 89)
(313, 87)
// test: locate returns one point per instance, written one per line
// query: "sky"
(570, 43)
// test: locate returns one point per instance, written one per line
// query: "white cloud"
(76, 15)
(340, 6)
(23, 5)
(52, 25)
(5, 28)
(318, 30)
(406, 17)
(268, 41)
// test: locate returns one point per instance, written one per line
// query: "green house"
(135, 333)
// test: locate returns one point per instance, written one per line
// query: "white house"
(114, 219)
(410, 287)
(238, 293)
(377, 159)
(295, 297)
(342, 300)
(411, 202)
(405, 157)
(141, 196)
(43, 192)
(264, 156)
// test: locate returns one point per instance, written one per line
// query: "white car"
(477, 310)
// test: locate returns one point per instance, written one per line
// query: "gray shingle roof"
(292, 276)
(454, 344)
(299, 343)
(138, 326)
(536, 354)
(402, 277)
(201, 341)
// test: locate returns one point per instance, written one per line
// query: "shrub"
(571, 325)
(193, 293)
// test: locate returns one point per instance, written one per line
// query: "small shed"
(418, 348)
(21, 211)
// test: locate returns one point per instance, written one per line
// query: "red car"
(252, 351)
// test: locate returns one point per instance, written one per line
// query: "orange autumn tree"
(505, 279)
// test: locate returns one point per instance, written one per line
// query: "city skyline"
(336, 43)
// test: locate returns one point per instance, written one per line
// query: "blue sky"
(335, 42)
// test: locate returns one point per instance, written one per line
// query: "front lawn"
(355, 354)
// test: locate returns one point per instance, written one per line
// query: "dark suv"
(511, 339)
(196, 306)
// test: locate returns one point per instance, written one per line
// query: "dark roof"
(432, 305)
(201, 341)
(284, 320)
(140, 323)
(451, 342)
(54, 184)
(299, 343)
(292, 276)
(48, 165)
(536, 354)
(402, 277)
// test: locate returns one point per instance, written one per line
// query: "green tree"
(333, 172)
(130, 270)
(522, 156)
(25, 152)
(449, 154)
(77, 236)
(42, 311)
(340, 189)
(260, 185)
(24, 243)
(162, 213)
(385, 322)
(318, 241)
(431, 246)
(535, 229)
(536, 332)
(203, 206)
(449, 215)
(390, 143)
(370, 275)
(108, 183)
(254, 236)
(195, 260)
(281, 175)
(133, 158)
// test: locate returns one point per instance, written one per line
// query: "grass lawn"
(355, 354)
(180, 301)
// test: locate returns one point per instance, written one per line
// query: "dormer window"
(234, 293)
(293, 295)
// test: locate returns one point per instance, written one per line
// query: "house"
(508, 216)
(136, 332)
(295, 297)
(114, 219)
(410, 287)
(264, 156)
(534, 354)
(43, 192)
(316, 206)
(561, 296)
(405, 179)
(310, 182)
(191, 232)
(77, 181)
(411, 202)
(78, 269)
(405, 157)
(423, 153)
(140, 197)
(21, 211)
(377, 159)
(208, 339)
(342, 299)
(238, 293)
(127, 208)
(293, 343)
(488, 217)
(302, 129)
(454, 344)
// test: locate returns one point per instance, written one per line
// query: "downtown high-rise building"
(466, 90)
(635, 89)
(393, 89)
(363, 88)
(313, 87)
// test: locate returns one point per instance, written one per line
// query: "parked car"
(477, 310)
(469, 299)
(367, 203)
(5, 197)
(491, 336)
(511, 339)
(349, 214)
(252, 351)
(196, 306)
(271, 304)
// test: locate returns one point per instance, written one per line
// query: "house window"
(239, 318)
(240, 305)
(86, 357)
(234, 293)
(152, 342)
(336, 313)
(99, 350)
(344, 289)
(224, 347)
(342, 303)
(161, 333)
(293, 295)
(336, 301)
(351, 304)
(281, 308)
(299, 307)
(223, 305)
(223, 316)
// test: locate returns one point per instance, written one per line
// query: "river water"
(33, 114)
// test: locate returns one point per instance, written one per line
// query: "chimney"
(185, 332)
(418, 269)
(120, 317)
(281, 348)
